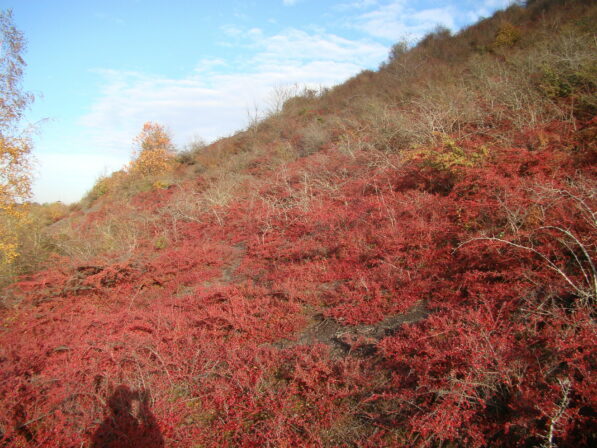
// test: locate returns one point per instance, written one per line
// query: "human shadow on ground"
(124, 427)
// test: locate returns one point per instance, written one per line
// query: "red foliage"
(205, 341)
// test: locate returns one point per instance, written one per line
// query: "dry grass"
(523, 67)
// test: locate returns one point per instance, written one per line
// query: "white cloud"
(396, 20)
(214, 100)
(436, 16)
(298, 45)
(487, 7)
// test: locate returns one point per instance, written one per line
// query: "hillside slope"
(407, 259)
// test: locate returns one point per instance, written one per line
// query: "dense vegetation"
(407, 259)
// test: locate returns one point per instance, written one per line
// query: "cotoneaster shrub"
(371, 293)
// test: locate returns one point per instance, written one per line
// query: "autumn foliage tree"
(15, 147)
(154, 151)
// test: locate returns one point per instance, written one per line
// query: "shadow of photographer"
(125, 427)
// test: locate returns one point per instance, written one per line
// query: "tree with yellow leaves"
(15, 146)
(154, 151)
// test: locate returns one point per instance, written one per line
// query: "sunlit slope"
(407, 259)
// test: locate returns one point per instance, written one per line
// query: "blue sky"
(102, 68)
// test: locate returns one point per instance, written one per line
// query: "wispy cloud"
(486, 7)
(397, 20)
(231, 30)
(213, 100)
(299, 45)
